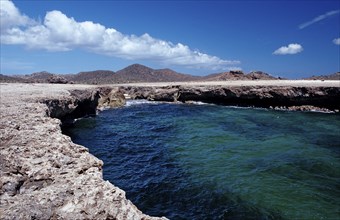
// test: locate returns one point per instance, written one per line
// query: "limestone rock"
(111, 98)
(260, 96)
(168, 94)
(44, 175)
(57, 79)
(79, 104)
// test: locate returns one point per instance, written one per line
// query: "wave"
(139, 102)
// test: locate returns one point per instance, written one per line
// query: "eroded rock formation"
(44, 175)
(110, 98)
(258, 96)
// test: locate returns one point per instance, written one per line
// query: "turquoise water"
(216, 162)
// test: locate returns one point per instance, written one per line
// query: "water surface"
(216, 162)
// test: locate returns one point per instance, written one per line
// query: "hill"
(140, 73)
(38, 77)
(334, 76)
(92, 77)
(239, 75)
(10, 79)
(133, 73)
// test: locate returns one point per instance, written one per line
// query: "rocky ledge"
(295, 98)
(44, 175)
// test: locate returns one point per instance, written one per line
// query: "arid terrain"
(44, 175)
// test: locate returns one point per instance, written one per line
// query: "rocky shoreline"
(322, 99)
(44, 175)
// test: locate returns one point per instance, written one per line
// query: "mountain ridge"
(137, 73)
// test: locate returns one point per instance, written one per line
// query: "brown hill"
(258, 75)
(239, 75)
(10, 79)
(170, 75)
(92, 77)
(44, 77)
(140, 73)
(231, 75)
(334, 76)
(38, 77)
(133, 73)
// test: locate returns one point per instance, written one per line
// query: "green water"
(215, 162)
(287, 162)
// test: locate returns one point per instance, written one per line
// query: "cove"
(214, 162)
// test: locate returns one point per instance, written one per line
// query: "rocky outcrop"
(80, 103)
(44, 175)
(259, 75)
(57, 79)
(334, 76)
(308, 108)
(258, 96)
(239, 75)
(110, 98)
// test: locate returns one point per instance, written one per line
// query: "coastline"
(45, 175)
(301, 95)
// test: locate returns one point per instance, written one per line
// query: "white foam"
(138, 102)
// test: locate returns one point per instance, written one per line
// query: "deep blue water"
(215, 162)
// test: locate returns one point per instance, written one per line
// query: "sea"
(204, 161)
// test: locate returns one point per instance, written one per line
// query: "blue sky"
(291, 39)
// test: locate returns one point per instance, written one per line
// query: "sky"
(292, 39)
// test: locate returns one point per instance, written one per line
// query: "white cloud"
(61, 33)
(290, 49)
(318, 18)
(336, 41)
(11, 16)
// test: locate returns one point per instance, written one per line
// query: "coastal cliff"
(44, 175)
(278, 97)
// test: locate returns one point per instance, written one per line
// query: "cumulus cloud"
(336, 41)
(319, 18)
(290, 49)
(11, 16)
(58, 32)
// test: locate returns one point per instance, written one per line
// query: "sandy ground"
(54, 90)
(11, 92)
(14, 91)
